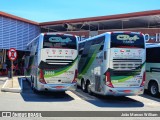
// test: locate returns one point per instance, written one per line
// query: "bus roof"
(108, 33)
(51, 33)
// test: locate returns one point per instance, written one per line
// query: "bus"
(112, 63)
(153, 69)
(51, 62)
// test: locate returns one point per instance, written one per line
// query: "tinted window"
(98, 40)
(125, 40)
(59, 41)
(81, 47)
(152, 55)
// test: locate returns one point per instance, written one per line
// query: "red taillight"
(143, 79)
(75, 76)
(108, 80)
(41, 77)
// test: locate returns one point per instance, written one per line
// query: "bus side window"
(99, 41)
(87, 46)
(101, 48)
(152, 55)
(81, 48)
(37, 44)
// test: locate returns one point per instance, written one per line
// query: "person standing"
(1, 68)
(4, 68)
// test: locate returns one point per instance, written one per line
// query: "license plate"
(59, 87)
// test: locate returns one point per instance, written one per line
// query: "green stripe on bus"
(124, 78)
(89, 63)
(60, 71)
(121, 78)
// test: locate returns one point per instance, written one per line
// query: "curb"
(14, 90)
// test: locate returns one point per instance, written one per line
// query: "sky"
(53, 10)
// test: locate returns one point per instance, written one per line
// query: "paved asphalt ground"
(74, 101)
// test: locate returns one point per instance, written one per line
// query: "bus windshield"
(127, 40)
(59, 41)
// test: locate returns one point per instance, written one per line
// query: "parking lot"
(73, 101)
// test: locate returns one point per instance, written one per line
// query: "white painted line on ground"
(5, 88)
(84, 97)
(73, 95)
(4, 84)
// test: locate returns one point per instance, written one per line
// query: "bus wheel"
(32, 86)
(83, 86)
(31, 82)
(153, 88)
(89, 88)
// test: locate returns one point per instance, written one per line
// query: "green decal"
(120, 78)
(125, 78)
(51, 73)
(89, 61)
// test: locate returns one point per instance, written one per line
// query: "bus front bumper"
(57, 87)
(124, 91)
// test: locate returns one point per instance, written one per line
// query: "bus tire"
(83, 86)
(31, 82)
(32, 85)
(153, 89)
(78, 87)
(89, 88)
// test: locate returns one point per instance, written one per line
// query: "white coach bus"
(51, 64)
(153, 69)
(112, 63)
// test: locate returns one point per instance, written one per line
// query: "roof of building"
(18, 18)
(101, 18)
(145, 19)
(119, 21)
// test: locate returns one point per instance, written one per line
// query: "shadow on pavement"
(29, 96)
(111, 101)
(148, 96)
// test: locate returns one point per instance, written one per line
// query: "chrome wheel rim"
(153, 89)
(83, 86)
(89, 88)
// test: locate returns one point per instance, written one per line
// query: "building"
(16, 32)
(147, 22)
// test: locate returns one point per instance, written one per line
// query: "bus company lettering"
(127, 37)
(59, 39)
